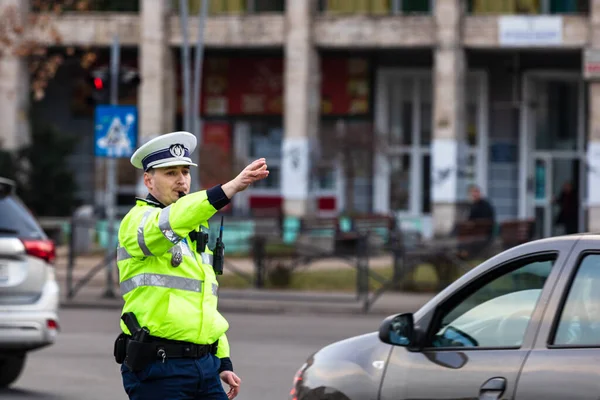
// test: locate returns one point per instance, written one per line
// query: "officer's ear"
(148, 175)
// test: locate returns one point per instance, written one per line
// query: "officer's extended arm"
(161, 229)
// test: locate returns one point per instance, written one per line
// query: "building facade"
(395, 106)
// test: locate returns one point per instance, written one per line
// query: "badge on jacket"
(177, 258)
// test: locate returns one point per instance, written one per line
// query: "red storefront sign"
(254, 86)
(345, 87)
(215, 155)
(242, 86)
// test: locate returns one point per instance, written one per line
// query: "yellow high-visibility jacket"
(173, 302)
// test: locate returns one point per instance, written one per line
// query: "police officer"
(174, 343)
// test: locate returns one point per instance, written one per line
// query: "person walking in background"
(568, 208)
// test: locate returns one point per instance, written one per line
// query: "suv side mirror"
(398, 330)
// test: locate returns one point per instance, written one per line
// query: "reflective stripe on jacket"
(173, 302)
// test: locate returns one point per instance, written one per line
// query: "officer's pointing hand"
(252, 173)
(230, 378)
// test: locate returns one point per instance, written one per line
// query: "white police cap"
(165, 150)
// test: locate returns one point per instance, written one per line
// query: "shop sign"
(591, 64)
(593, 176)
(242, 86)
(234, 86)
(295, 168)
(345, 88)
(528, 31)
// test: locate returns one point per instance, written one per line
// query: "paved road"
(267, 350)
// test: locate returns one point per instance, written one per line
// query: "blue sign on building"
(115, 131)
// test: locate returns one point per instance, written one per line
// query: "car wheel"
(10, 368)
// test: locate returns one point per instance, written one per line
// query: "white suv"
(29, 293)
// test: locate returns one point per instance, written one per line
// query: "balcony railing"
(375, 7)
(234, 7)
(527, 7)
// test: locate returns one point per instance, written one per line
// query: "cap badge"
(177, 150)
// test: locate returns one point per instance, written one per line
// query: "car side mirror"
(398, 330)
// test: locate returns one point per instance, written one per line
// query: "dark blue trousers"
(176, 379)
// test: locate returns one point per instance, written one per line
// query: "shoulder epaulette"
(149, 202)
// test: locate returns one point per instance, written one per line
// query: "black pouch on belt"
(139, 355)
(120, 348)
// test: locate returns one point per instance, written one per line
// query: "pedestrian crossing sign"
(115, 131)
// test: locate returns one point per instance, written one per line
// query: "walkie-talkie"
(219, 252)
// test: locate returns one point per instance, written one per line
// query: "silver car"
(523, 325)
(29, 293)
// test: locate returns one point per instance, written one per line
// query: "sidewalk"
(244, 300)
(272, 302)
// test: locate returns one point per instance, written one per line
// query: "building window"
(265, 141)
(96, 5)
(376, 7)
(220, 7)
(528, 6)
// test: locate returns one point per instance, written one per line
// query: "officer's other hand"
(230, 378)
(254, 172)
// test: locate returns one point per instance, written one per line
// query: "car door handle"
(492, 389)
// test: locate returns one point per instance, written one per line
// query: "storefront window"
(273, 181)
(324, 178)
(557, 115)
(400, 183)
(401, 115)
(265, 141)
(426, 185)
(426, 111)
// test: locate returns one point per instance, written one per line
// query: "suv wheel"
(10, 368)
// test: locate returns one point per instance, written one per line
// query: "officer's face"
(166, 183)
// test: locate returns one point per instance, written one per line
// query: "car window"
(579, 323)
(497, 313)
(15, 220)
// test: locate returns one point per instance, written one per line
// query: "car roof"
(531, 247)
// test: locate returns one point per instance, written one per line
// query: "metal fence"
(258, 249)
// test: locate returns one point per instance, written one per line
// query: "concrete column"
(302, 107)
(448, 142)
(156, 102)
(157, 91)
(593, 115)
(14, 82)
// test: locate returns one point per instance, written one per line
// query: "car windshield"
(15, 220)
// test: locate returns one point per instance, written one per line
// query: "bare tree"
(21, 34)
(353, 146)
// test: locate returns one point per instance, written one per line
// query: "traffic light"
(100, 81)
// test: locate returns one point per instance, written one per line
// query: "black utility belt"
(179, 349)
(137, 354)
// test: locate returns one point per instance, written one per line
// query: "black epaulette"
(149, 202)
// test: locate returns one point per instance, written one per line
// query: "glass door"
(409, 137)
(542, 195)
(556, 194)
(404, 124)
(553, 128)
